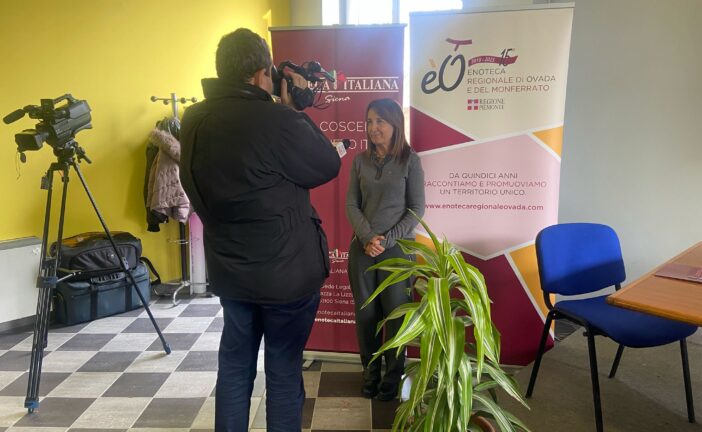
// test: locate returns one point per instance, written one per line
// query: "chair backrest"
(578, 258)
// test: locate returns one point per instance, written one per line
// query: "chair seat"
(624, 326)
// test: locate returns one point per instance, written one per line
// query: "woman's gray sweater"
(378, 198)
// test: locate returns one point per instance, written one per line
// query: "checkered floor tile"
(112, 375)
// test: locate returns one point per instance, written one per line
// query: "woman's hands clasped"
(373, 247)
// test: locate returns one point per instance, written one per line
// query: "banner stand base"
(310, 356)
(329, 356)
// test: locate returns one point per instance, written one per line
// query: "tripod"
(69, 155)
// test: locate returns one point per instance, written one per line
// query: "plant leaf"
(430, 355)
(392, 279)
(400, 263)
(420, 286)
(435, 412)
(457, 339)
(440, 309)
(476, 313)
(466, 380)
(411, 328)
(515, 421)
(411, 247)
(496, 412)
(506, 382)
(434, 240)
(397, 313)
(402, 415)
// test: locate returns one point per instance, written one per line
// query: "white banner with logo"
(487, 105)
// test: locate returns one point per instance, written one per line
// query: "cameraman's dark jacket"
(247, 165)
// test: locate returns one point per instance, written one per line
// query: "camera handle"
(301, 98)
(48, 267)
(311, 72)
(295, 68)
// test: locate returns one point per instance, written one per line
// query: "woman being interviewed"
(386, 180)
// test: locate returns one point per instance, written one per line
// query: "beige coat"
(165, 193)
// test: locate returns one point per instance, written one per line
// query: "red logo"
(473, 104)
(458, 42)
(435, 80)
(503, 60)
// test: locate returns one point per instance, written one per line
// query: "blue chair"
(581, 258)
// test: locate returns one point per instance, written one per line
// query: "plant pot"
(485, 425)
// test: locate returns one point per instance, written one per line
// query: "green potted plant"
(454, 383)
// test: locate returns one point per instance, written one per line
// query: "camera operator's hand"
(298, 81)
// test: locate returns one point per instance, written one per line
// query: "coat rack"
(173, 100)
(183, 241)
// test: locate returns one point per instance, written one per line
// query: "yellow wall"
(115, 54)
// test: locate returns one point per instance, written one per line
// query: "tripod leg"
(31, 401)
(128, 272)
(59, 238)
(46, 282)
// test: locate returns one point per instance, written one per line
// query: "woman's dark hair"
(240, 54)
(391, 111)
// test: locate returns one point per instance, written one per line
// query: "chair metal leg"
(688, 384)
(617, 358)
(595, 380)
(542, 346)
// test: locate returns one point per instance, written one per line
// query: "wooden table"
(669, 298)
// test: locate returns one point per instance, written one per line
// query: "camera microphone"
(13, 116)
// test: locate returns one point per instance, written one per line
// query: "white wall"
(632, 154)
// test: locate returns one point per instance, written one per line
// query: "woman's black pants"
(363, 284)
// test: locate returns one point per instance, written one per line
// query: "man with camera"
(247, 166)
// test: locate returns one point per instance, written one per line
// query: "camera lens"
(30, 140)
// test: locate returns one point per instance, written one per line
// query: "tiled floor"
(111, 374)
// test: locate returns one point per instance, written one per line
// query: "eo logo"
(453, 63)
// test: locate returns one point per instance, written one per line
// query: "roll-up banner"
(487, 102)
(368, 64)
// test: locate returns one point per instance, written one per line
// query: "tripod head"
(68, 153)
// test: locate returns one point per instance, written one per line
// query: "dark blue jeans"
(285, 328)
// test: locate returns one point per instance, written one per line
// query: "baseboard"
(18, 325)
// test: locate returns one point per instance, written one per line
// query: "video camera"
(312, 71)
(57, 126)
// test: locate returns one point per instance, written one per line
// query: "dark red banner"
(368, 64)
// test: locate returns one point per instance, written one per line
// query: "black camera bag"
(91, 253)
(77, 301)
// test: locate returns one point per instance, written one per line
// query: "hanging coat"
(166, 195)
